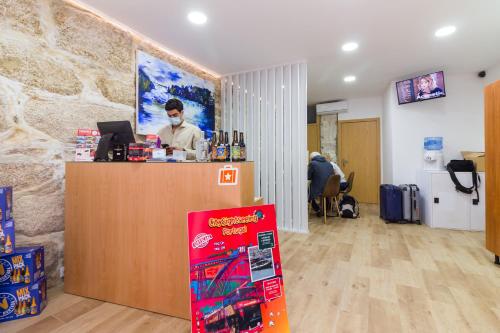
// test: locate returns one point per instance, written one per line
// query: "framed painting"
(157, 82)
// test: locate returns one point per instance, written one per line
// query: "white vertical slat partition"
(279, 148)
(270, 107)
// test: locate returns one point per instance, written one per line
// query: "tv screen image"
(421, 88)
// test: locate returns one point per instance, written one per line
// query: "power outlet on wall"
(61, 272)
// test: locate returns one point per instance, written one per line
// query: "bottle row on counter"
(221, 150)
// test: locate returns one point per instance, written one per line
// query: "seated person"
(338, 171)
(319, 170)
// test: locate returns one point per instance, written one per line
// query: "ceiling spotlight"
(349, 78)
(351, 46)
(197, 18)
(445, 31)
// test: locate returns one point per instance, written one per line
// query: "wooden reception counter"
(126, 228)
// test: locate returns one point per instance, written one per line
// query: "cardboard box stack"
(23, 286)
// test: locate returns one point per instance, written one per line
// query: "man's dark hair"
(174, 103)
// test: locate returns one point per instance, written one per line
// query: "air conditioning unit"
(331, 108)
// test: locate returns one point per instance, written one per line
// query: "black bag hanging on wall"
(464, 166)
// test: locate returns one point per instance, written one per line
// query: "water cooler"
(433, 154)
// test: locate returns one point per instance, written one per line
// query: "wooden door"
(359, 152)
(313, 136)
(492, 133)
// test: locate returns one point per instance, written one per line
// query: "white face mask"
(176, 121)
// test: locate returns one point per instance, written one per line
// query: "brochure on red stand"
(236, 278)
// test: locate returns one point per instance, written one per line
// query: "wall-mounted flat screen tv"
(421, 88)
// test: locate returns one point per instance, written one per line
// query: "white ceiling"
(396, 37)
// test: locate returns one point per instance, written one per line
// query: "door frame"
(339, 144)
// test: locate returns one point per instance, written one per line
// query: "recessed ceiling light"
(351, 46)
(445, 31)
(197, 18)
(349, 78)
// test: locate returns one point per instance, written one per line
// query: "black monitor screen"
(122, 131)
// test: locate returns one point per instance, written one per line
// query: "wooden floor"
(348, 276)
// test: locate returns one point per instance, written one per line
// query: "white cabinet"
(445, 207)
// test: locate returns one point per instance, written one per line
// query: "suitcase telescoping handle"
(411, 198)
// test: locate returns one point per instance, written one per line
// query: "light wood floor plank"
(347, 276)
(48, 324)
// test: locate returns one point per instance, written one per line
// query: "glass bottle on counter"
(202, 149)
(243, 148)
(221, 147)
(235, 147)
(213, 147)
(206, 149)
(227, 146)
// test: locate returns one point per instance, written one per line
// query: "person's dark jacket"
(318, 173)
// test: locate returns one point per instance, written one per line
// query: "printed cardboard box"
(18, 302)
(23, 267)
(5, 203)
(477, 157)
(7, 238)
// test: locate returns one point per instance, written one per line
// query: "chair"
(350, 181)
(332, 190)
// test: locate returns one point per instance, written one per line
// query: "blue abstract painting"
(159, 81)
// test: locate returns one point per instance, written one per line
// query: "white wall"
(458, 117)
(493, 74)
(360, 108)
(387, 165)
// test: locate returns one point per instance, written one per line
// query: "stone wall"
(328, 130)
(61, 68)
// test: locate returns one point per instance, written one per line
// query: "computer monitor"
(113, 133)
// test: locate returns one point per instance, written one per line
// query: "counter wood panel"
(492, 141)
(126, 228)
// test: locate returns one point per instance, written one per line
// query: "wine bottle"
(243, 148)
(227, 146)
(235, 147)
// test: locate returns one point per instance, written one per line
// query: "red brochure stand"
(236, 278)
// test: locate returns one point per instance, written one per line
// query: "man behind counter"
(180, 135)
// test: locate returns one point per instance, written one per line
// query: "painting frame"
(158, 80)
